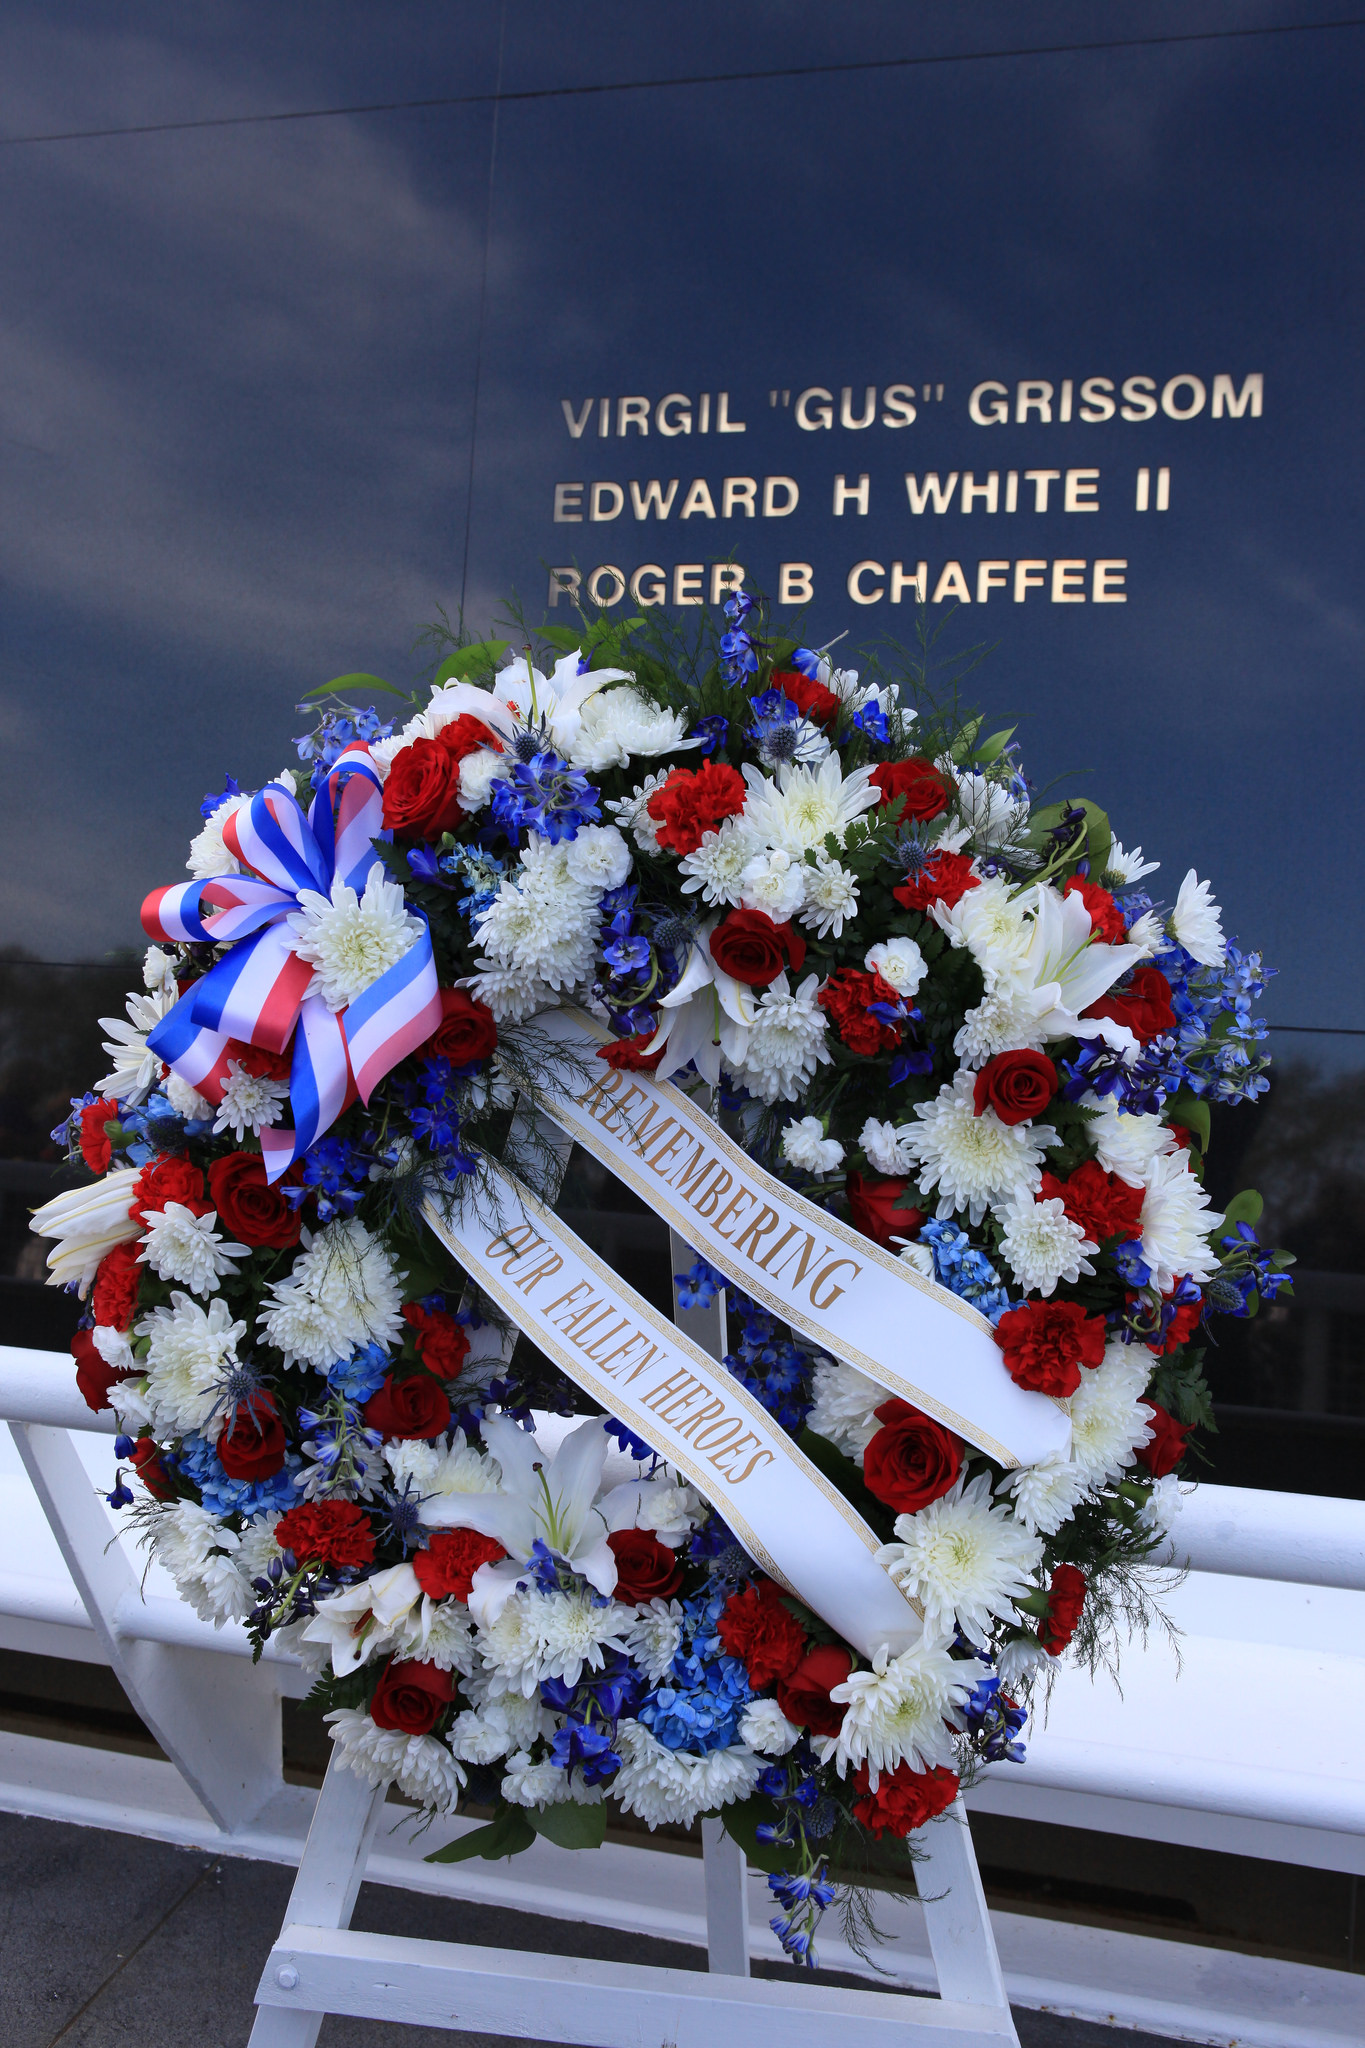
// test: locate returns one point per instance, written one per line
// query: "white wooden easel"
(318, 1965)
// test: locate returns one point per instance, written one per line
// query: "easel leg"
(956, 1916)
(727, 1907)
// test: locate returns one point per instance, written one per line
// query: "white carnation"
(531, 1784)
(886, 1147)
(653, 1638)
(845, 1405)
(766, 1728)
(1041, 1244)
(620, 726)
(900, 964)
(187, 1101)
(805, 1145)
(774, 883)
(208, 855)
(1045, 1495)
(598, 857)
(478, 772)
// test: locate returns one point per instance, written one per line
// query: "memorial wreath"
(920, 1069)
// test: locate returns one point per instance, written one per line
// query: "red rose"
(755, 1627)
(632, 1055)
(168, 1178)
(912, 1459)
(1047, 1342)
(93, 1376)
(694, 802)
(925, 791)
(467, 1030)
(804, 1697)
(415, 1407)
(422, 794)
(811, 699)
(1100, 1202)
(96, 1150)
(249, 1209)
(944, 878)
(1106, 919)
(440, 1342)
(146, 1460)
(117, 1280)
(1016, 1085)
(411, 1696)
(875, 1208)
(749, 946)
(1144, 1005)
(334, 1532)
(1167, 1444)
(259, 1061)
(846, 996)
(1065, 1599)
(253, 1448)
(645, 1568)
(446, 1568)
(904, 1799)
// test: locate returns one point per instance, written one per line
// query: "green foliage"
(742, 1818)
(357, 684)
(1188, 1109)
(466, 662)
(843, 1473)
(1243, 1208)
(507, 1834)
(571, 1826)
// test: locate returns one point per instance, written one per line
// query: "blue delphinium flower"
(965, 1270)
(360, 1375)
(711, 731)
(545, 795)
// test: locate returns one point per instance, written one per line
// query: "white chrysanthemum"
(845, 1406)
(976, 1162)
(187, 1101)
(598, 857)
(900, 964)
(632, 812)
(1007, 1019)
(449, 1639)
(991, 814)
(991, 922)
(620, 726)
(158, 971)
(1042, 1245)
(717, 866)
(831, 897)
(178, 1245)
(661, 1785)
(543, 921)
(1018, 1661)
(203, 1557)
(432, 1469)
(549, 1635)
(1177, 1223)
(85, 1223)
(208, 855)
(917, 1255)
(965, 1560)
(343, 1292)
(899, 1712)
(765, 1728)
(1163, 1505)
(189, 1349)
(481, 1736)
(532, 1784)
(1123, 868)
(250, 1102)
(653, 1638)
(136, 1070)
(511, 995)
(258, 1545)
(671, 1509)
(1147, 932)
(1045, 1495)
(786, 1042)
(478, 773)
(1127, 1145)
(419, 1764)
(775, 884)
(1108, 1421)
(885, 1146)
(805, 1145)
(804, 805)
(350, 940)
(1196, 922)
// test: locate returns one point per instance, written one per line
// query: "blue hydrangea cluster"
(198, 1461)
(697, 1706)
(964, 1270)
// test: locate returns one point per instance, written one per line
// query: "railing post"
(956, 1915)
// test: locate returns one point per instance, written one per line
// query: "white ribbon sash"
(820, 1276)
(607, 1339)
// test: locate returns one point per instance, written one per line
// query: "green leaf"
(1244, 1208)
(991, 749)
(741, 1820)
(467, 661)
(571, 1826)
(359, 681)
(565, 638)
(507, 1834)
(1189, 1109)
(1098, 836)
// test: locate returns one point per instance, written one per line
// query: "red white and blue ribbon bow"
(256, 993)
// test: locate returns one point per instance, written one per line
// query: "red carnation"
(632, 1055)
(1016, 1085)
(1106, 919)
(1184, 1322)
(904, 1799)
(804, 1697)
(747, 945)
(1100, 1202)
(1065, 1599)
(811, 699)
(117, 1279)
(846, 996)
(334, 1532)
(254, 1447)
(945, 878)
(446, 1568)
(924, 789)
(168, 1178)
(467, 1030)
(249, 1208)
(755, 1627)
(1047, 1342)
(1166, 1447)
(96, 1150)
(645, 1568)
(93, 1376)
(259, 1061)
(440, 1342)
(875, 1208)
(912, 1459)
(422, 794)
(467, 735)
(146, 1460)
(411, 1696)
(1144, 1005)
(411, 1408)
(694, 802)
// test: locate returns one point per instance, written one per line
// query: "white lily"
(370, 1616)
(708, 1014)
(545, 1496)
(550, 705)
(85, 1224)
(1063, 971)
